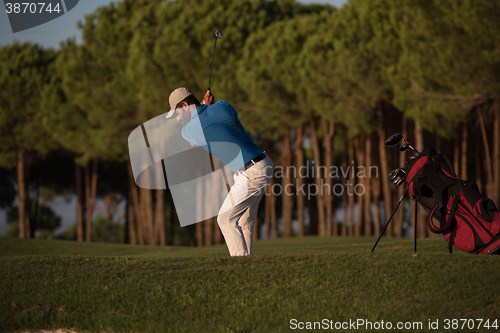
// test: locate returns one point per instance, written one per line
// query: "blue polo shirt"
(218, 130)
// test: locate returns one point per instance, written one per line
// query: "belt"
(255, 160)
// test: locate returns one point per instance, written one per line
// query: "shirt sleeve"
(186, 136)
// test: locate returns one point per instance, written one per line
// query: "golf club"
(410, 159)
(405, 148)
(393, 140)
(397, 176)
(217, 36)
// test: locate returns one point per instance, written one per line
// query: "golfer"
(220, 124)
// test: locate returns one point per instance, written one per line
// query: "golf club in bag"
(457, 209)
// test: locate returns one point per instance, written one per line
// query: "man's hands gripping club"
(208, 99)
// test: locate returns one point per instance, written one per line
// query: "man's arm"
(209, 98)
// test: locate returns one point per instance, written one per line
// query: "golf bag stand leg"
(390, 218)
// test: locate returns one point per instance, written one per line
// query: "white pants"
(237, 223)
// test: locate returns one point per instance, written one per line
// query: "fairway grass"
(97, 287)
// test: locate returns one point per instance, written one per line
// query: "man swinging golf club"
(210, 123)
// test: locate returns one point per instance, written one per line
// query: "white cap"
(175, 98)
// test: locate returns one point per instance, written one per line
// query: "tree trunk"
(80, 227)
(199, 209)
(299, 165)
(218, 233)
(384, 173)
(128, 210)
(463, 169)
(496, 154)
(313, 215)
(398, 217)
(318, 177)
(421, 223)
(256, 229)
(487, 162)
(132, 229)
(361, 181)
(438, 145)
(192, 234)
(456, 156)
(143, 224)
(335, 225)
(345, 207)
(367, 182)
(91, 193)
(287, 198)
(375, 186)
(267, 210)
(479, 172)
(136, 226)
(172, 220)
(437, 137)
(147, 205)
(376, 200)
(274, 226)
(23, 204)
(328, 129)
(161, 234)
(199, 234)
(208, 231)
(351, 182)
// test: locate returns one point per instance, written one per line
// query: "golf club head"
(217, 34)
(398, 181)
(404, 147)
(393, 140)
(395, 173)
(407, 146)
(410, 159)
(397, 176)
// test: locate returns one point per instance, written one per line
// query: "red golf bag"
(456, 208)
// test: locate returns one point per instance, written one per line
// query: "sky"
(50, 34)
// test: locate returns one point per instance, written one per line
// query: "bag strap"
(453, 209)
(450, 220)
(452, 238)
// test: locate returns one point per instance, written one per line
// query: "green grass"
(122, 288)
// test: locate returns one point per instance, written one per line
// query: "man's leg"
(237, 223)
(247, 222)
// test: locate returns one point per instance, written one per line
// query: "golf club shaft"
(213, 59)
(409, 145)
(413, 148)
(390, 218)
